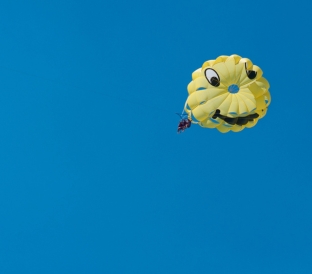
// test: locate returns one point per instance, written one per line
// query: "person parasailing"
(184, 123)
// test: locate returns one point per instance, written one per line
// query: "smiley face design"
(228, 94)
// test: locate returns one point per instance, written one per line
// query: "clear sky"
(94, 178)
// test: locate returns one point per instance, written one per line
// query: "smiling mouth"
(237, 120)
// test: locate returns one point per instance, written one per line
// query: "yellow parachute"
(228, 93)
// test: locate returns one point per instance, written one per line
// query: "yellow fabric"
(207, 96)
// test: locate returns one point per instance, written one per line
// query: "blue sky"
(94, 178)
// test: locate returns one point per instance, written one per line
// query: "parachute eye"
(212, 77)
(250, 73)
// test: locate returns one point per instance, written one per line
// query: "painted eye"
(250, 73)
(212, 77)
